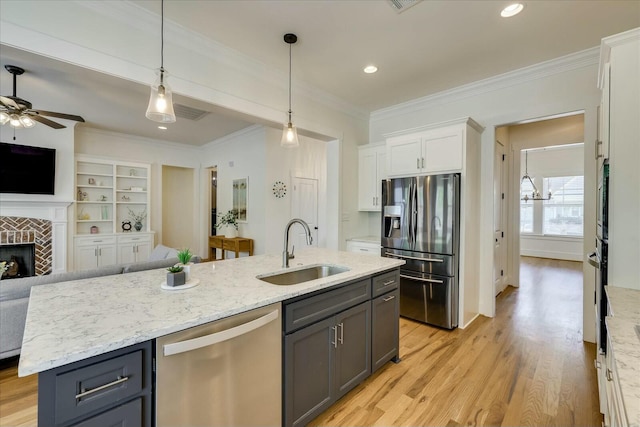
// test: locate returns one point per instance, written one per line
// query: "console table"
(236, 244)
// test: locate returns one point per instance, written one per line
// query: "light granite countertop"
(625, 315)
(72, 321)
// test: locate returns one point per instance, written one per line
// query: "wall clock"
(279, 189)
(126, 225)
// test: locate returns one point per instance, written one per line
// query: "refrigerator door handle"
(422, 280)
(391, 254)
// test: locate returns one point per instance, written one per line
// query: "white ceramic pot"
(231, 232)
(187, 271)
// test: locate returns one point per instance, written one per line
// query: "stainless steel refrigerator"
(421, 224)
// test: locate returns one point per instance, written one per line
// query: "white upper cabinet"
(371, 171)
(431, 151)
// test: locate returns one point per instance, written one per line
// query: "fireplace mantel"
(54, 211)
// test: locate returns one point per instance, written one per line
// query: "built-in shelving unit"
(107, 192)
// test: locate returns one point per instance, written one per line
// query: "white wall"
(559, 161)
(240, 156)
(568, 84)
(256, 153)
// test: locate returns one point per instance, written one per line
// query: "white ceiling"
(433, 46)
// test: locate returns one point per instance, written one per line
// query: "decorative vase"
(186, 269)
(233, 232)
(137, 226)
(176, 279)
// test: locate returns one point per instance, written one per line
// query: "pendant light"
(535, 194)
(289, 133)
(160, 108)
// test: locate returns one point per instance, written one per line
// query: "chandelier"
(535, 194)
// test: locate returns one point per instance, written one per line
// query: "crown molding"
(614, 41)
(574, 61)
(462, 120)
(134, 16)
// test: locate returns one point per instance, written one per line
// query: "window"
(563, 214)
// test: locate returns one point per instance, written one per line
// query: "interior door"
(304, 201)
(498, 219)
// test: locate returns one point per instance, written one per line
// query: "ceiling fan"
(18, 112)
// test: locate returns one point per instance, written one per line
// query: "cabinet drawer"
(385, 282)
(129, 414)
(134, 238)
(362, 247)
(98, 385)
(95, 240)
(312, 309)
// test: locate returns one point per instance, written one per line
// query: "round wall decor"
(279, 189)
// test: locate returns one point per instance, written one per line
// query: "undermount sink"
(305, 274)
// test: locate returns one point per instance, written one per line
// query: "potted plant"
(184, 256)
(230, 220)
(137, 218)
(176, 276)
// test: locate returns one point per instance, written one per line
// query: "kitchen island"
(73, 321)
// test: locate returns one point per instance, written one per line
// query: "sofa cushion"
(162, 252)
(150, 265)
(21, 288)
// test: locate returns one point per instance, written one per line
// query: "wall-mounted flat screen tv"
(27, 170)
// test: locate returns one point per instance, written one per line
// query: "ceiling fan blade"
(59, 115)
(47, 122)
(8, 102)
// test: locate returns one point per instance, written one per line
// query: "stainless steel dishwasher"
(223, 373)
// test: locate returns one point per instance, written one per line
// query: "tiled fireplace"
(43, 224)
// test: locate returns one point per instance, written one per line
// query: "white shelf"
(131, 177)
(89, 202)
(93, 220)
(131, 191)
(93, 174)
(131, 203)
(94, 186)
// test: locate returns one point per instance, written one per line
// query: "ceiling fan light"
(4, 118)
(160, 108)
(14, 121)
(289, 136)
(27, 121)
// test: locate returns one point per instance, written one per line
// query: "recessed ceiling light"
(162, 127)
(511, 10)
(370, 69)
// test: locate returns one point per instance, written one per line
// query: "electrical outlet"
(345, 216)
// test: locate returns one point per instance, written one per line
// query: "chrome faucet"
(286, 256)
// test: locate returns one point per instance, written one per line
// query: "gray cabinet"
(385, 311)
(332, 340)
(324, 361)
(111, 389)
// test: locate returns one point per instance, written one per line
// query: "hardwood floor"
(528, 366)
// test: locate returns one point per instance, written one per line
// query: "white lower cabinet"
(614, 415)
(104, 250)
(134, 247)
(368, 248)
(94, 252)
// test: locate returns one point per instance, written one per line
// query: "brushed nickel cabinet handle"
(335, 336)
(609, 375)
(341, 339)
(389, 298)
(390, 282)
(418, 163)
(85, 392)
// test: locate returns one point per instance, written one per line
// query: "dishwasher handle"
(218, 337)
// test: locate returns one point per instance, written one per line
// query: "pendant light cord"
(162, 35)
(289, 82)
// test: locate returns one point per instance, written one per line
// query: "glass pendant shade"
(289, 136)
(160, 108)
